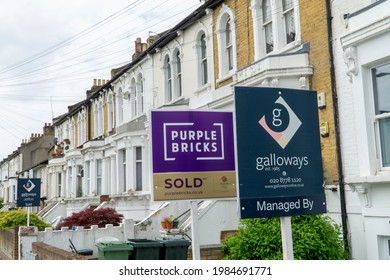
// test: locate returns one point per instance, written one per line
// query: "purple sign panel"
(193, 154)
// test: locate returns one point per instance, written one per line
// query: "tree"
(315, 237)
(88, 217)
(18, 217)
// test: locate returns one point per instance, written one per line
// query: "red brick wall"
(9, 244)
(48, 252)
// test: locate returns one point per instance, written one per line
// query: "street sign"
(193, 155)
(29, 192)
(279, 152)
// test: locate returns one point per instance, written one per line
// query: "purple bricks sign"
(193, 154)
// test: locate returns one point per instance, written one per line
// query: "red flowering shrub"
(89, 217)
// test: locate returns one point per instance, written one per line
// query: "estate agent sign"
(29, 192)
(193, 155)
(279, 152)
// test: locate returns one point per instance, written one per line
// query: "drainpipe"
(337, 127)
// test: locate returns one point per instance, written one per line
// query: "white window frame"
(101, 117)
(72, 129)
(268, 25)
(138, 173)
(119, 105)
(287, 11)
(87, 174)
(96, 119)
(99, 176)
(278, 27)
(178, 82)
(133, 98)
(168, 76)
(110, 111)
(123, 170)
(224, 16)
(59, 183)
(81, 127)
(377, 118)
(67, 128)
(140, 91)
(203, 63)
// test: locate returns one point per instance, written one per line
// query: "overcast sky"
(51, 50)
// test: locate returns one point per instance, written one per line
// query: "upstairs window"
(72, 131)
(229, 45)
(226, 36)
(173, 75)
(96, 119)
(140, 90)
(381, 85)
(101, 117)
(267, 25)
(289, 20)
(203, 60)
(178, 75)
(133, 98)
(275, 25)
(119, 104)
(81, 127)
(110, 108)
(168, 79)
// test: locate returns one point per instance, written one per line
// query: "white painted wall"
(368, 187)
(81, 238)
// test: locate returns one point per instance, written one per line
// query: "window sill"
(226, 77)
(174, 101)
(206, 87)
(293, 46)
(136, 117)
(381, 177)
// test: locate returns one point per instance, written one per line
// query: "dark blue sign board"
(278, 152)
(29, 192)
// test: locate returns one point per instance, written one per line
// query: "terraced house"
(101, 154)
(361, 33)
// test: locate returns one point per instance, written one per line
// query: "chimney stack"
(139, 48)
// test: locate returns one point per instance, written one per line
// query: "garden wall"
(81, 238)
(9, 244)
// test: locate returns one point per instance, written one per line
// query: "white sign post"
(194, 231)
(287, 242)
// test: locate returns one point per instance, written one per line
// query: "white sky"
(51, 50)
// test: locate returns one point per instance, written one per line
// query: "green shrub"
(315, 237)
(11, 219)
(1, 202)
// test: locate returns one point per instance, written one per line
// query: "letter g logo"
(282, 137)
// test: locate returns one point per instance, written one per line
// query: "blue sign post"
(278, 152)
(29, 192)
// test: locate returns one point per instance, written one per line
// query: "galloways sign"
(279, 152)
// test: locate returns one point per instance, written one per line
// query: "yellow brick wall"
(314, 30)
